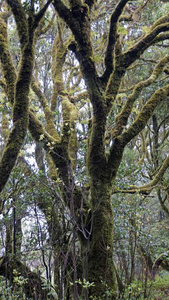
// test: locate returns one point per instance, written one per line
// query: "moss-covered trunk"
(100, 259)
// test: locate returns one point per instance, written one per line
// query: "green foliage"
(13, 292)
(161, 282)
(155, 290)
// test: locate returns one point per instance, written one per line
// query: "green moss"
(21, 101)
(145, 114)
(59, 51)
(6, 60)
(50, 127)
(100, 265)
(69, 138)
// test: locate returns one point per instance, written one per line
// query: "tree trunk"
(100, 261)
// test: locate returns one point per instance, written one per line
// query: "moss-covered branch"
(38, 132)
(19, 87)
(145, 114)
(47, 111)
(41, 13)
(43, 30)
(124, 60)
(162, 202)
(58, 153)
(147, 188)
(135, 51)
(160, 37)
(62, 9)
(122, 117)
(79, 22)
(8, 68)
(20, 108)
(163, 261)
(113, 84)
(69, 112)
(5, 127)
(21, 21)
(112, 39)
(59, 51)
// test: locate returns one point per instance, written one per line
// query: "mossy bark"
(18, 86)
(20, 117)
(100, 258)
(162, 261)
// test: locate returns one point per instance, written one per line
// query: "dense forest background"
(84, 139)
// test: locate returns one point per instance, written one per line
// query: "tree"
(82, 77)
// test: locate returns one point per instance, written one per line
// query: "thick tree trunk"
(100, 261)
